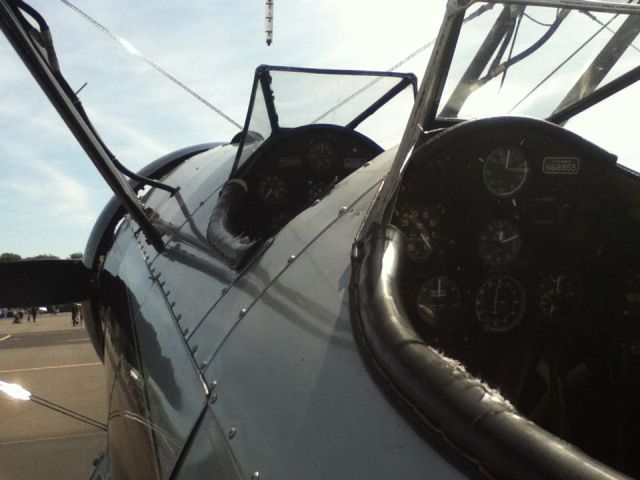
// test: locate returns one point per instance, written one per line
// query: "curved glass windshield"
(535, 61)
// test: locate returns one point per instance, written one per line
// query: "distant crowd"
(30, 314)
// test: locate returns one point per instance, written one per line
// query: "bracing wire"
(131, 49)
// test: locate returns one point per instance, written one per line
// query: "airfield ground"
(54, 361)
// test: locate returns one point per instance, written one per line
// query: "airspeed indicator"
(505, 171)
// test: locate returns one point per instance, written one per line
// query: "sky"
(50, 193)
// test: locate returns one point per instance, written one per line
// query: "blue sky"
(50, 194)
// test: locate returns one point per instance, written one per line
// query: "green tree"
(76, 256)
(45, 256)
(9, 257)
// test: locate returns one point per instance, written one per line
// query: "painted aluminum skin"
(265, 361)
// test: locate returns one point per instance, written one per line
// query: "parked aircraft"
(299, 303)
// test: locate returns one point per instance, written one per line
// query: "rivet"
(243, 312)
(213, 385)
(204, 365)
(316, 201)
(366, 164)
(214, 397)
(232, 432)
(342, 210)
(255, 476)
(291, 259)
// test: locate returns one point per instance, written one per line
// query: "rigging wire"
(562, 64)
(394, 67)
(134, 51)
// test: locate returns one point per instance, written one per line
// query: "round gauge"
(322, 155)
(559, 295)
(423, 229)
(500, 304)
(505, 171)
(439, 300)
(499, 243)
(315, 189)
(272, 189)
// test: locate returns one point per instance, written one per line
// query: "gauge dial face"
(505, 171)
(423, 229)
(500, 304)
(322, 155)
(438, 301)
(499, 243)
(559, 295)
(272, 189)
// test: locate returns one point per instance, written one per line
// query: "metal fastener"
(214, 397)
(232, 432)
(343, 210)
(255, 476)
(291, 259)
(242, 313)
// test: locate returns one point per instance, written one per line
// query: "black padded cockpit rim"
(481, 426)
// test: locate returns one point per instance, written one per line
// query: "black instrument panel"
(507, 230)
(295, 168)
(522, 262)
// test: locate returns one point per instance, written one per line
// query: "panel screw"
(214, 397)
(291, 259)
(366, 164)
(255, 476)
(213, 385)
(343, 210)
(242, 313)
(204, 365)
(232, 432)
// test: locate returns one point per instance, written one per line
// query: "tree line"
(14, 257)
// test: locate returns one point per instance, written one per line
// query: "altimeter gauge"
(439, 300)
(423, 229)
(272, 189)
(322, 155)
(499, 243)
(559, 295)
(500, 304)
(505, 171)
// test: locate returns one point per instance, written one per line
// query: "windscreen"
(375, 104)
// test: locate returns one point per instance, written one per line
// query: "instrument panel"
(296, 168)
(506, 231)
(521, 261)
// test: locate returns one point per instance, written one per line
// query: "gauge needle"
(506, 165)
(506, 240)
(425, 239)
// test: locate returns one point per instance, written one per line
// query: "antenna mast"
(268, 21)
